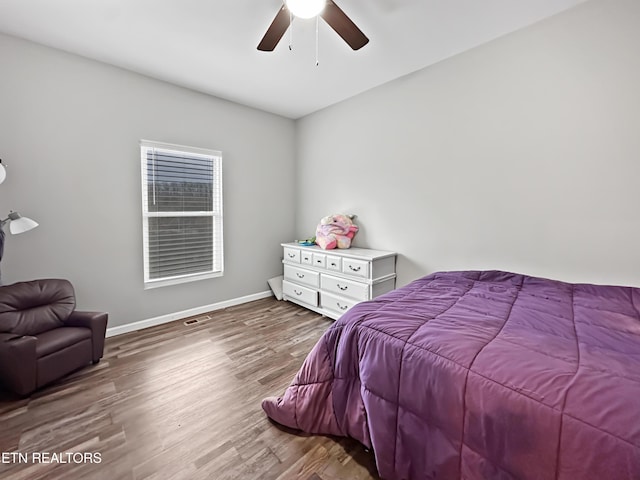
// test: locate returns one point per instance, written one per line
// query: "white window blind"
(182, 213)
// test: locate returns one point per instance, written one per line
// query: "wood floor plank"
(179, 401)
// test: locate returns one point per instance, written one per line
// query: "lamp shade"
(306, 8)
(20, 224)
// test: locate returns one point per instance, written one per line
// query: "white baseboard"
(170, 317)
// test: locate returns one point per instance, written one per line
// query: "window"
(182, 213)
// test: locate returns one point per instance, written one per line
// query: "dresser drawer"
(343, 287)
(291, 255)
(306, 258)
(300, 293)
(335, 303)
(334, 263)
(358, 268)
(300, 275)
(319, 260)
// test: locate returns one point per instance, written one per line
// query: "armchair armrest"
(18, 362)
(97, 322)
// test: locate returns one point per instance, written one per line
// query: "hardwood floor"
(180, 402)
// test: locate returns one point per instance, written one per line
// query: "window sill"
(178, 280)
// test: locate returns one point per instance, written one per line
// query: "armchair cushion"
(59, 338)
(30, 308)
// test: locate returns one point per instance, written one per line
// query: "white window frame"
(216, 214)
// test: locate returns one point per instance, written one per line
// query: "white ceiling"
(210, 45)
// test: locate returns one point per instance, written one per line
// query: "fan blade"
(276, 30)
(343, 26)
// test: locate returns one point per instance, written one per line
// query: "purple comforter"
(480, 375)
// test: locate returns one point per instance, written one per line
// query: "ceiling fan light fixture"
(327, 9)
(306, 8)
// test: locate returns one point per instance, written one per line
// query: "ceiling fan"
(327, 9)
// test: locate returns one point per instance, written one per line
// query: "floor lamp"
(17, 223)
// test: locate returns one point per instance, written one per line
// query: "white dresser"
(330, 282)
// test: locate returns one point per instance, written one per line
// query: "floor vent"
(191, 322)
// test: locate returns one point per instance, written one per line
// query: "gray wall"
(69, 133)
(522, 155)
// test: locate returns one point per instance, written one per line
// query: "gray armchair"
(43, 337)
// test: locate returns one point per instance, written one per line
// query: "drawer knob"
(333, 264)
(291, 255)
(299, 275)
(341, 307)
(297, 292)
(341, 287)
(354, 269)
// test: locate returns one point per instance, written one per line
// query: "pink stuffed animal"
(336, 231)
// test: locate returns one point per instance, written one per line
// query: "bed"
(480, 375)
